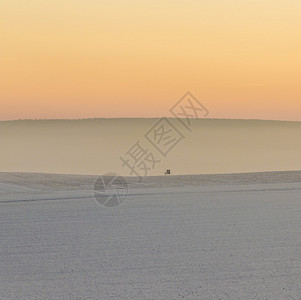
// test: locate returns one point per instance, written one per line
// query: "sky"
(105, 58)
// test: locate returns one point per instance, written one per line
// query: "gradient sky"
(105, 58)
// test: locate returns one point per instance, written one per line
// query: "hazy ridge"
(94, 146)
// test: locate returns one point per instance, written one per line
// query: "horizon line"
(144, 118)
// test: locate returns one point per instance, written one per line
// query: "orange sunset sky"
(117, 58)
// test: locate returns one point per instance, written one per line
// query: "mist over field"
(94, 146)
(205, 236)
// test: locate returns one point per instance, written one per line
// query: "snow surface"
(174, 237)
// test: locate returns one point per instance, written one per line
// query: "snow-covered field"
(174, 237)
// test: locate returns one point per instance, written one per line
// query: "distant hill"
(94, 146)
